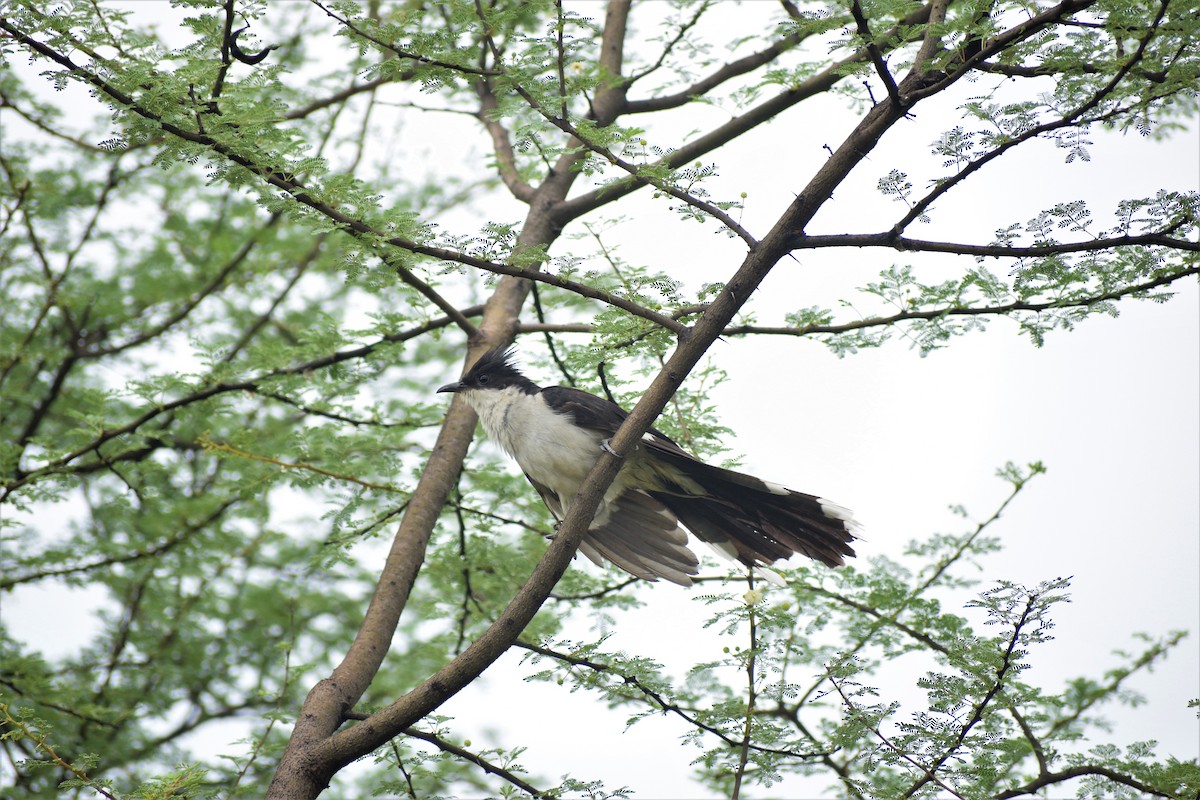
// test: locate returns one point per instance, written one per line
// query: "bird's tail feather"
(761, 522)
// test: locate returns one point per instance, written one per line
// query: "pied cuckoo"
(556, 433)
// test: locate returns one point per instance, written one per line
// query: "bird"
(556, 434)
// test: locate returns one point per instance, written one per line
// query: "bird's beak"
(450, 387)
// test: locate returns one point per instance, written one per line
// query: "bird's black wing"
(596, 413)
(549, 497)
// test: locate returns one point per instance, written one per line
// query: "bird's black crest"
(497, 369)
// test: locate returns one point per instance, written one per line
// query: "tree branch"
(955, 311)
(890, 239)
(977, 712)
(726, 72)
(933, 577)
(1053, 778)
(658, 701)
(723, 134)
(324, 756)
(881, 68)
(344, 95)
(317, 748)
(353, 225)
(22, 477)
(194, 299)
(996, 45)
(391, 47)
(479, 761)
(929, 776)
(506, 157)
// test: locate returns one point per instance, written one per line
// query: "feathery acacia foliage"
(228, 285)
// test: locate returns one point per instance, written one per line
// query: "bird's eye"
(483, 379)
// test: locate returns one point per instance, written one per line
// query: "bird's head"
(495, 370)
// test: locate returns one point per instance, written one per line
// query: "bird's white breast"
(547, 445)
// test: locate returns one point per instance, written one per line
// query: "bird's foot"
(606, 446)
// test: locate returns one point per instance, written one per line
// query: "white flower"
(753, 597)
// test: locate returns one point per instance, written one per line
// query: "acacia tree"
(221, 297)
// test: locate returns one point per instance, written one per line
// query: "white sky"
(1111, 409)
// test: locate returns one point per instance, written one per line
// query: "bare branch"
(432, 295)
(666, 52)
(634, 172)
(223, 447)
(45, 127)
(751, 696)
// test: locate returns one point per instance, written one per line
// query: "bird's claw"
(606, 446)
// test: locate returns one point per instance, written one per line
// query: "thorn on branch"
(600, 367)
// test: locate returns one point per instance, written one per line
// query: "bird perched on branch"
(556, 434)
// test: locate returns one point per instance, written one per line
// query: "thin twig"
(391, 46)
(751, 692)
(952, 311)
(890, 239)
(889, 744)
(479, 761)
(980, 708)
(881, 68)
(915, 593)
(658, 700)
(220, 447)
(39, 741)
